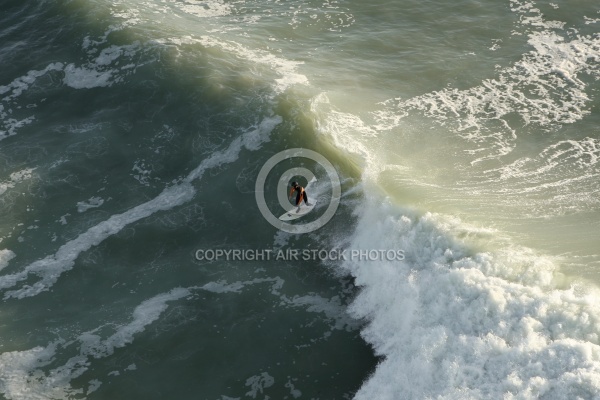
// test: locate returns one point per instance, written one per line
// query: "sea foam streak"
(21, 375)
(51, 267)
(99, 72)
(8, 122)
(31, 374)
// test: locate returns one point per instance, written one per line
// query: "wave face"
(465, 136)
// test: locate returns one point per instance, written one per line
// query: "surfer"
(300, 195)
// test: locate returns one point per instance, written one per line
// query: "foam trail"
(543, 88)
(16, 178)
(21, 84)
(565, 173)
(8, 124)
(21, 376)
(456, 325)
(99, 71)
(51, 267)
(333, 309)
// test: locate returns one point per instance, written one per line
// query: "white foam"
(21, 374)
(16, 368)
(141, 172)
(21, 84)
(251, 140)
(63, 219)
(21, 175)
(236, 287)
(86, 78)
(543, 88)
(348, 131)
(332, 309)
(97, 72)
(130, 16)
(51, 267)
(562, 155)
(16, 178)
(258, 383)
(9, 124)
(295, 393)
(224, 287)
(205, 9)
(143, 315)
(451, 323)
(5, 256)
(102, 70)
(561, 179)
(285, 68)
(92, 202)
(94, 385)
(589, 20)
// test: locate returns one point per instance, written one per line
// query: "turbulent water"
(466, 139)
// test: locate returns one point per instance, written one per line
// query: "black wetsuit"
(301, 194)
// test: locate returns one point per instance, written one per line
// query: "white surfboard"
(298, 212)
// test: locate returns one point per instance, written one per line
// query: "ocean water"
(466, 139)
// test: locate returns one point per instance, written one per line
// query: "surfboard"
(297, 212)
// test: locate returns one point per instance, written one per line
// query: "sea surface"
(463, 261)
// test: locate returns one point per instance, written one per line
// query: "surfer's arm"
(292, 190)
